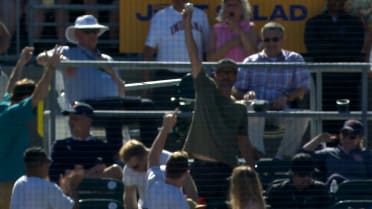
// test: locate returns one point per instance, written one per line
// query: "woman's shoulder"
(253, 205)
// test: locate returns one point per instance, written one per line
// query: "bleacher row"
(105, 193)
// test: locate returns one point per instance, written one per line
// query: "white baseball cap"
(84, 22)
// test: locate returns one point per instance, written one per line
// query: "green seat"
(102, 188)
(269, 170)
(100, 204)
(354, 190)
(353, 204)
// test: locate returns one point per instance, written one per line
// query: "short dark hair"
(302, 163)
(177, 164)
(33, 156)
(23, 88)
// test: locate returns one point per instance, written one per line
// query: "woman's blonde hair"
(133, 148)
(245, 187)
(247, 10)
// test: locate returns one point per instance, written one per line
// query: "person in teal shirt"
(16, 110)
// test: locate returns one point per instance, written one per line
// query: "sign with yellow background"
(135, 16)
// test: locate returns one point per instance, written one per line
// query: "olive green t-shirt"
(216, 123)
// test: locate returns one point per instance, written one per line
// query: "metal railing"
(316, 112)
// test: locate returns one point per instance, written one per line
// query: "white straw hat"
(84, 22)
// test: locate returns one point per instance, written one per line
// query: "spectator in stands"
(82, 150)
(349, 160)
(101, 87)
(34, 190)
(235, 35)
(17, 109)
(163, 190)
(134, 154)
(218, 131)
(62, 16)
(301, 190)
(166, 40)
(245, 189)
(5, 38)
(336, 36)
(281, 88)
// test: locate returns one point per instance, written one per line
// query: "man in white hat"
(99, 86)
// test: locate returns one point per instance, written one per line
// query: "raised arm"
(157, 147)
(41, 89)
(190, 44)
(314, 143)
(25, 56)
(5, 38)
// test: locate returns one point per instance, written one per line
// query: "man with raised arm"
(17, 108)
(218, 131)
(163, 191)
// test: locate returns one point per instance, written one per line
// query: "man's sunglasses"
(274, 39)
(226, 72)
(304, 174)
(90, 31)
(348, 135)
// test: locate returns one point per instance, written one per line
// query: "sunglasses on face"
(135, 167)
(226, 73)
(303, 174)
(274, 39)
(349, 135)
(90, 31)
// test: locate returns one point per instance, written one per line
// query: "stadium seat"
(353, 204)
(102, 188)
(100, 204)
(354, 190)
(270, 169)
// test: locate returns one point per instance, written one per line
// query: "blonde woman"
(245, 189)
(235, 35)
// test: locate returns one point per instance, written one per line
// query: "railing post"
(365, 102)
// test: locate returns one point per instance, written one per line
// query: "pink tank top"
(223, 34)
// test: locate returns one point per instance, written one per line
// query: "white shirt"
(38, 193)
(138, 179)
(161, 195)
(167, 35)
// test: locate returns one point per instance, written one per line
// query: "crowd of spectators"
(221, 135)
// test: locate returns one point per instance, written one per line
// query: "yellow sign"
(135, 16)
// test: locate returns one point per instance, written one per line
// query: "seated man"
(280, 87)
(83, 151)
(101, 87)
(301, 190)
(348, 160)
(163, 191)
(34, 191)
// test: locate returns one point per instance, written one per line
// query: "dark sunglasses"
(226, 73)
(90, 31)
(348, 135)
(274, 39)
(304, 174)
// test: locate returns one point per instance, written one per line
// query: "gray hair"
(273, 26)
(247, 10)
